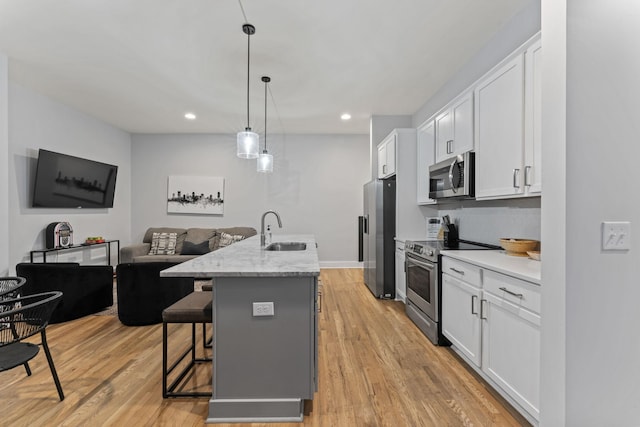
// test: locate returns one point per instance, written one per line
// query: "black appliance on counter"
(423, 263)
(378, 237)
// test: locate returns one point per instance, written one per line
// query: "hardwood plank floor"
(376, 369)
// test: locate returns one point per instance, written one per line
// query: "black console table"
(106, 243)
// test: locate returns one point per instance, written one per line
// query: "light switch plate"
(616, 235)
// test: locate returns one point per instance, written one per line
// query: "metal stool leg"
(51, 365)
(169, 390)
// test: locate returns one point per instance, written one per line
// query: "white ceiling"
(141, 64)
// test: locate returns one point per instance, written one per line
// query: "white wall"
(515, 32)
(4, 165)
(316, 186)
(554, 216)
(602, 295)
(36, 121)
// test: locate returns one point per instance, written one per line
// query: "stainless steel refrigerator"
(378, 234)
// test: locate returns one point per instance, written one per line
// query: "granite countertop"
(246, 259)
(520, 267)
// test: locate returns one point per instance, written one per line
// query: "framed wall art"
(195, 195)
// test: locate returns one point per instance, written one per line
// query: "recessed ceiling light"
(346, 116)
(189, 116)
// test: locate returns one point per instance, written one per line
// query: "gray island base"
(264, 329)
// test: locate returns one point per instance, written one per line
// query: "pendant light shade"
(248, 143)
(265, 160)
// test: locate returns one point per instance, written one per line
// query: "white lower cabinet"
(460, 320)
(493, 322)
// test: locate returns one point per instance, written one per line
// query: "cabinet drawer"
(462, 270)
(516, 291)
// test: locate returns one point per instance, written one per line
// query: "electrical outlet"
(263, 309)
(616, 236)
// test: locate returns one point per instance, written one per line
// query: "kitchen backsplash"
(488, 221)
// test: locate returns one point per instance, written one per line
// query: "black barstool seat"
(193, 308)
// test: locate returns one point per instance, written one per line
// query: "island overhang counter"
(264, 363)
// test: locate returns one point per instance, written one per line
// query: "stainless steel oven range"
(424, 289)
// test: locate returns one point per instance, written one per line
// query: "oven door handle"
(419, 263)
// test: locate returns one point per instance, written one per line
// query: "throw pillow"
(227, 239)
(163, 244)
(190, 248)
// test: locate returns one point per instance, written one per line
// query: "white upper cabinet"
(387, 157)
(507, 127)
(426, 139)
(410, 221)
(533, 123)
(454, 128)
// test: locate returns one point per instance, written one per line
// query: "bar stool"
(193, 308)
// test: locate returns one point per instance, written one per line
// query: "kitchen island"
(264, 328)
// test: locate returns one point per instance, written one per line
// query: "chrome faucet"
(262, 237)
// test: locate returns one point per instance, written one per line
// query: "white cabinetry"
(511, 338)
(410, 221)
(507, 127)
(493, 322)
(460, 308)
(387, 156)
(426, 138)
(532, 121)
(401, 281)
(454, 128)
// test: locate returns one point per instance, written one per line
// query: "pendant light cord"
(248, 70)
(266, 83)
(248, 29)
(242, 9)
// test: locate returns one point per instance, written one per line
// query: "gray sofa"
(189, 240)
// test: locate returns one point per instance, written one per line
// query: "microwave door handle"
(453, 164)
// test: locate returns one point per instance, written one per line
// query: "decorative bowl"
(518, 247)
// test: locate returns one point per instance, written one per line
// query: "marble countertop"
(520, 267)
(246, 259)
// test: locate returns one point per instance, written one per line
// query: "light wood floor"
(376, 369)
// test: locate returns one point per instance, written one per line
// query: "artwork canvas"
(195, 195)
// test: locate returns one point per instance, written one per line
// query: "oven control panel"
(419, 249)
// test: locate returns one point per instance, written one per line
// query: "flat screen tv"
(64, 181)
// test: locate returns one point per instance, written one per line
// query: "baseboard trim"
(341, 264)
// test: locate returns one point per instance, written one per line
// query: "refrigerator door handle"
(365, 224)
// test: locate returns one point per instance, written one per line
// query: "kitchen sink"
(286, 246)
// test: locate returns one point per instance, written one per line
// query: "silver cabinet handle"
(450, 146)
(457, 271)
(516, 172)
(384, 169)
(482, 301)
(511, 293)
(527, 173)
(473, 307)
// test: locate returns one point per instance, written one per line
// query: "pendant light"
(248, 141)
(265, 160)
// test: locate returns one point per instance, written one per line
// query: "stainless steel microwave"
(454, 177)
